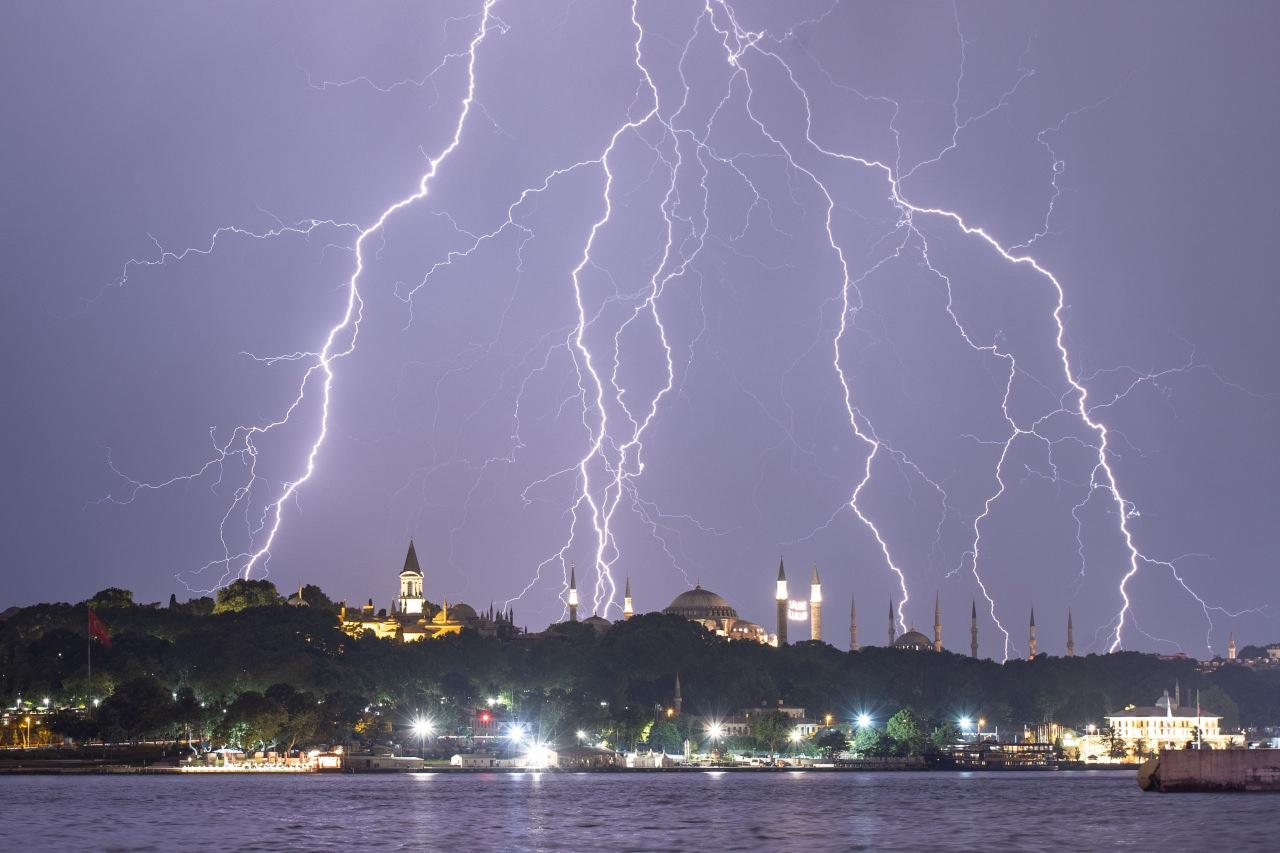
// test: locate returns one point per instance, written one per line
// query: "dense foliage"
(248, 669)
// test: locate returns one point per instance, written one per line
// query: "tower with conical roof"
(677, 700)
(937, 622)
(1031, 637)
(1071, 636)
(573, 593)
(853, 624)
(411, 583)
(892, 627)
(781, 595)
(1231, 645)
(815, 605)
(627, 610)
(973, 630)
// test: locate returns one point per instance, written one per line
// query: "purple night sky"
(1127, 148)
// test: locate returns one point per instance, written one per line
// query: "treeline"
(249, 668)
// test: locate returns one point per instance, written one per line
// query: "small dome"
(461, 613)
(699, 603)
(914, 641)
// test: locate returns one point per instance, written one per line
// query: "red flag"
(98, 630)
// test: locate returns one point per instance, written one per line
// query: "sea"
(616, 812)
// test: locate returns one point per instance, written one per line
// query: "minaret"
(1231, 646)
(891, 625)
(627, 611)
(937, 622)
(677, 701)
(973, 630)
(815, 605)
(782, 595)
(1071, 639)
(573, 593)
(1031, 637)
(853, 624)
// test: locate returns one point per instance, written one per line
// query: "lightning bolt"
(596, 347)
(339, 342)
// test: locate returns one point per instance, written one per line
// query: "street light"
(422, 729)
(581, 735)
(864, 720)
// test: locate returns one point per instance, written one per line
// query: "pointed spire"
(782, 572)
(892, 627)
(1033, 617)
(677, 699)
(973, 630)
(411, 560)
(814, 579)
(1071, 636)
(573, 593)
(937, 621)
(853, 624)
(627, 593)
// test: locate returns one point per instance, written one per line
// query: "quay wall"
(1212, 770)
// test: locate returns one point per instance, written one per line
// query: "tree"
(315, 596)
(665, 736)
(112, 596)
(138, 709)
(832, 742)
(1142, 748)
(906, 733)
(769, 729)
(944, 735)
(243, 594)
(1115, 745)
(867, 742)
(254, 720)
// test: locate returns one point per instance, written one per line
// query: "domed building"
(715, 614)
(913, 641)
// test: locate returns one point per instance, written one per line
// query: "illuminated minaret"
(815, 606)
(410, 583)
(973, 630)
(573, 594)
(1031, 637)
(677, 701)
(1231, 646)
(1071, 638)
(937, 622)
(891, 625)
(782, 595)
(627, 611)
(853, 624)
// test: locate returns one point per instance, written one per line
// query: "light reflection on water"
(624, 812)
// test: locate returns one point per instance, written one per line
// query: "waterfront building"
(1168, 724)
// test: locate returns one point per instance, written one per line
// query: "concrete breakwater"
(1212, 770)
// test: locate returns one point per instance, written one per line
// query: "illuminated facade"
(715, 614)
(412, 617)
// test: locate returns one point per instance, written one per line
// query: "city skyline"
(768, 281)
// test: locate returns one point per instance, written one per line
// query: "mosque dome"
(913, 641)
(599, 623)
(699, 603)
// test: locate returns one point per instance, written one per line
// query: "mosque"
(412, 617)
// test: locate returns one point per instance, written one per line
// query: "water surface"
(625, 812)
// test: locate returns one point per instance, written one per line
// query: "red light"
(484, 718)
